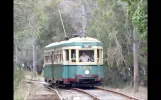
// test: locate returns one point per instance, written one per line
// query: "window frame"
(58, 56)
(56, 52)
(100, 56)
(69, 61)
(93, 49)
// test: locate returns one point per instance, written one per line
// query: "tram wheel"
(68, 85)
(53, 85)
(92, 87)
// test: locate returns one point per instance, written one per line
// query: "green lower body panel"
(74, 73)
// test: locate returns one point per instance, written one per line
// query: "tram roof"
(74, 40)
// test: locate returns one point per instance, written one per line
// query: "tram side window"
(49, 57)
(99, 55)
(53, 56)
(73, 55)
(46, 58)
(60, 56)
(67, 55)
(86, 55)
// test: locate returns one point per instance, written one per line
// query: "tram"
(74, 62)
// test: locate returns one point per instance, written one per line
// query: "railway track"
(129, 97)
(56, 93)
(91, 95)
(96, 93)
(99, 93)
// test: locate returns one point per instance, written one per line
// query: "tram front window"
(86, 56)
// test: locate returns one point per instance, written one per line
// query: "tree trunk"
(136, 53)
(34, 55)
(16, 55)
(16, 58)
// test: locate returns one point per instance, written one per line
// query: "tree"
(136, 62)
(35, 17)
(36, 24)
(116, 23)
(138, 15)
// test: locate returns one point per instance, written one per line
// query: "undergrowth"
(112, 78)
(18, 76)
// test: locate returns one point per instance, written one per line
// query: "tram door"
(52, 63)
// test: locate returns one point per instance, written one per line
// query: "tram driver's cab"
(82, 56)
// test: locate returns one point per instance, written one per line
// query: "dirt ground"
(23, 88)
(31, 91)
(21, 91)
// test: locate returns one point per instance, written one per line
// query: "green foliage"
(107, 24)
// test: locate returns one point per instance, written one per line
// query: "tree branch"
(21, 9)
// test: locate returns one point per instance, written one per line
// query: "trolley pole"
(83, 19)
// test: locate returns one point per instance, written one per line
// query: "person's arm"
(91, 59)
(88, 59)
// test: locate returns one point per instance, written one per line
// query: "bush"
(18, 76)
(113, 78)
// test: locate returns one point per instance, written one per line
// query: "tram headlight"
(86, 71)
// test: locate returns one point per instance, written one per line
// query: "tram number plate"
(87, 67)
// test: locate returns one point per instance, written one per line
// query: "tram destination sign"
(86, 45)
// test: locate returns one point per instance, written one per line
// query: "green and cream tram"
(77, 61)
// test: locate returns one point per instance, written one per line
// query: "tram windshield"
(86, 55)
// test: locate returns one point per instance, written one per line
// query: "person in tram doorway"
(73, 57)
(84, 57)
(92, 58)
